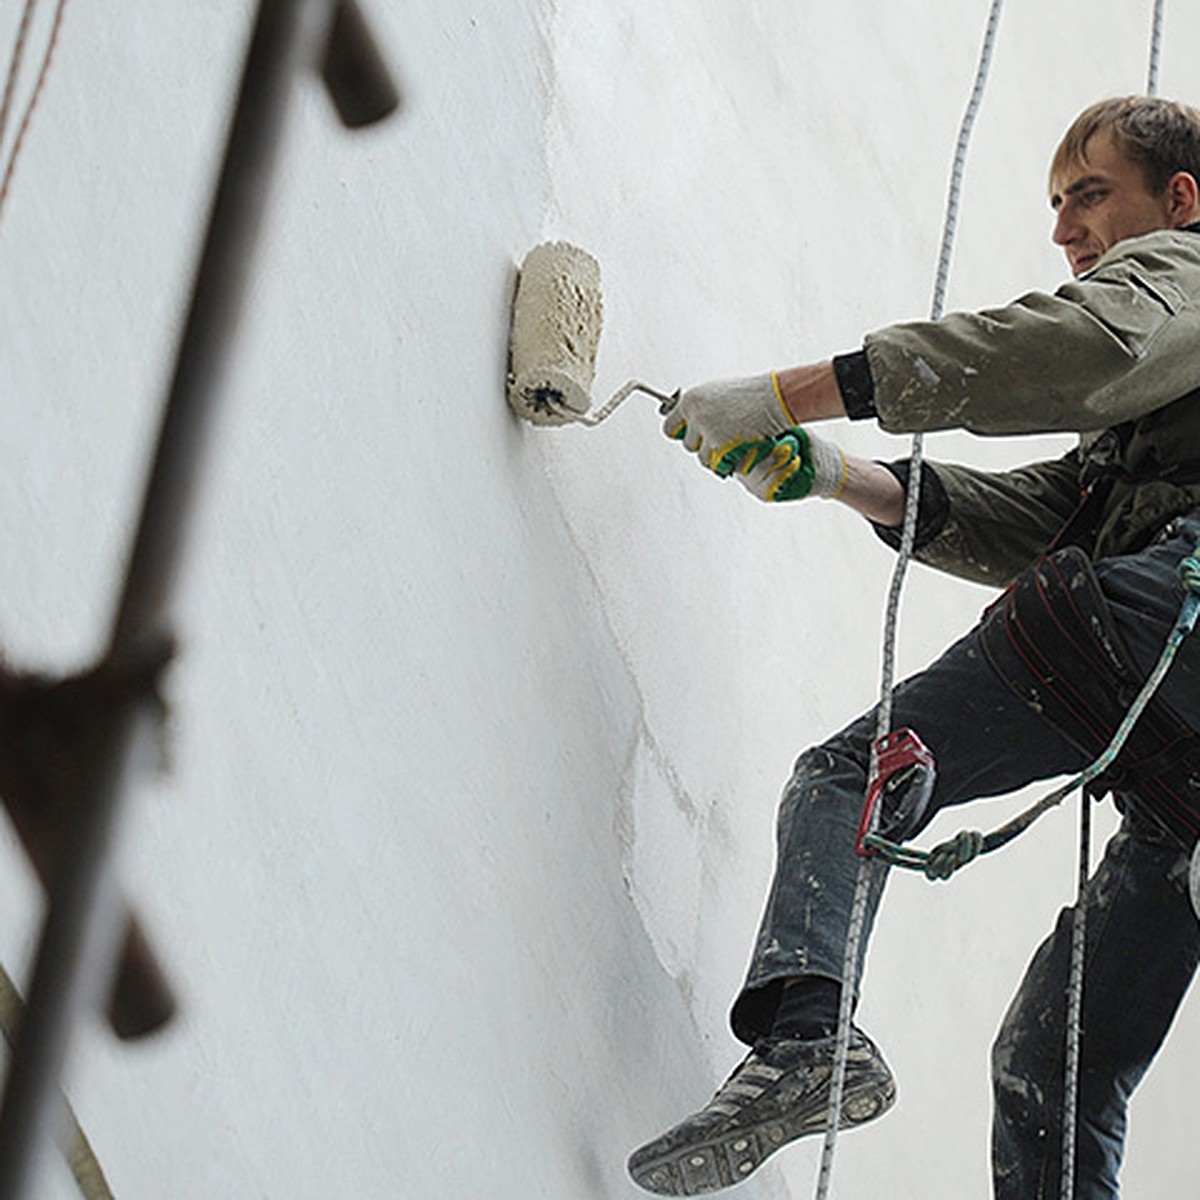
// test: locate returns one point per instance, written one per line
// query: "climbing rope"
(14, 65)
(946, 858)
(868, 869)
(1074, 1035)
(966, 846)
(1190, 570)
(10, 87)
(1155, 49)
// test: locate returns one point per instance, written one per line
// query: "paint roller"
(557, 314)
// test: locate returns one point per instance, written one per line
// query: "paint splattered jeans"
(1143, 941)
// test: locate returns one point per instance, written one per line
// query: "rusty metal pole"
(79, 937)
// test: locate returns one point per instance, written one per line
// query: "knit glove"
(718, 421)
(791, 467)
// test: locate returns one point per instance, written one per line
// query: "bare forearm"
(810, 393)
(873, 492)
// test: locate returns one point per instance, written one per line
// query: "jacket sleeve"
(1107, 348)
(987, 526)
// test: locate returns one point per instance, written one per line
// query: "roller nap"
(557, 316)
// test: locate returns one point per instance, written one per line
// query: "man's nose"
(1066, 230)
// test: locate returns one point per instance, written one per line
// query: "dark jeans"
(1143, 939)
(1143, 943)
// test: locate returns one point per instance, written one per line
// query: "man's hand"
(793, 466)
(720, 421)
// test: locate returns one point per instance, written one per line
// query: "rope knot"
(1189, 570)
(945, 859)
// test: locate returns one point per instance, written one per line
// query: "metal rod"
(78, 940)
(276, 49)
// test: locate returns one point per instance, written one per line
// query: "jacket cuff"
(854, 381)
(933, 507)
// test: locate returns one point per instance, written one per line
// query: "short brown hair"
(1161, 136)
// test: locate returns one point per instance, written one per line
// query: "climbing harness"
(1162, 753)
(868, 869)
(891, 757)
(947, 857)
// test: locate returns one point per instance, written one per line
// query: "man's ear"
(1183, 196)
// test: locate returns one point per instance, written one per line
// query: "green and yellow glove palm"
(795, 465)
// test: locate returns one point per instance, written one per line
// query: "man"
(1089, 547)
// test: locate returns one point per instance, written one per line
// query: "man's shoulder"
(1164, 251)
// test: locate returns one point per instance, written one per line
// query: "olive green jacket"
(1113, 356)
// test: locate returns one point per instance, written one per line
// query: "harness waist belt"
(1051, 638)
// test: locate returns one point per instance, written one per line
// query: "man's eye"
(1092, 197)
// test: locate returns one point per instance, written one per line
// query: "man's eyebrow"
(1080, 185)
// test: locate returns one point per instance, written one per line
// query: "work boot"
(779, 1093)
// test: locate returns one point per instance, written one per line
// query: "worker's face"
(1102, 201)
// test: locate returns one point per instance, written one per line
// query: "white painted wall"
(479, 729)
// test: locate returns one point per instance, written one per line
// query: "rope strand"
(868, 870)
(43, 71)
(1155, 49)
(1075, 1003)
(968, 845)
(14, 65)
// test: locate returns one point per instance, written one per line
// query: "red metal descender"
(904, 774)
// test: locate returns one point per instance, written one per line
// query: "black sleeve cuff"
(856, 385)
(933, 507)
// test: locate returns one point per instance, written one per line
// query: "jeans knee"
(822, 795)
